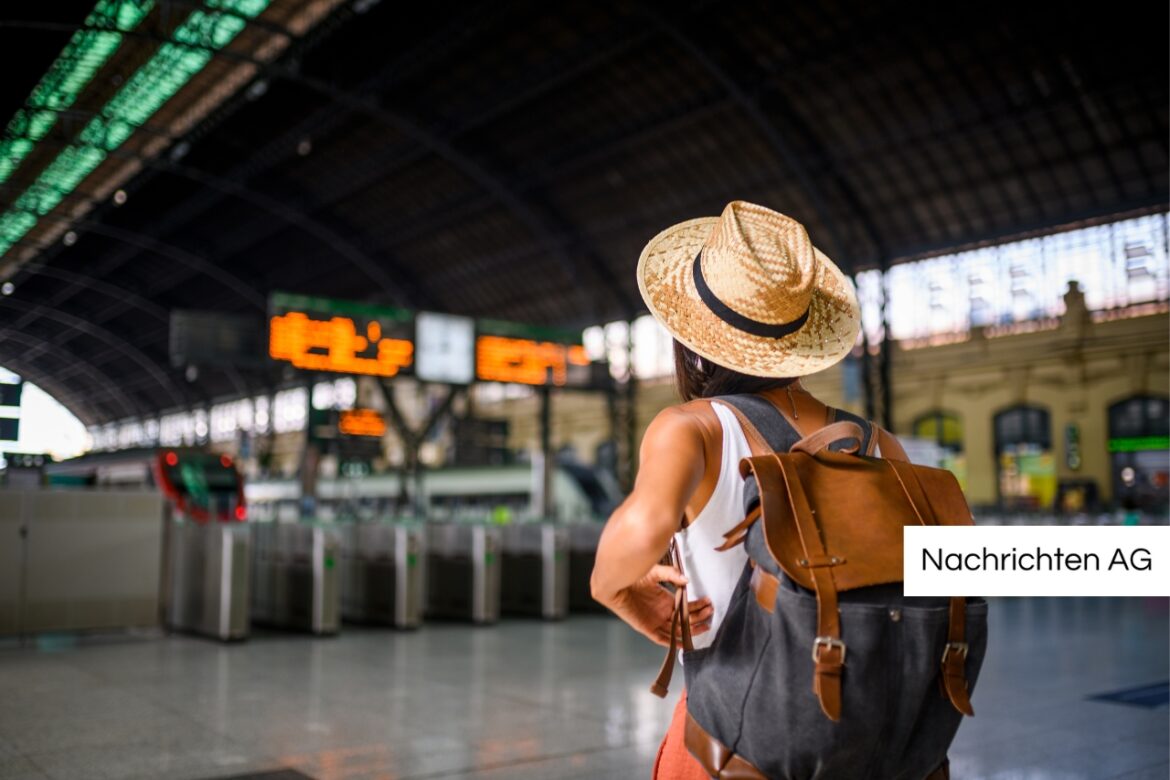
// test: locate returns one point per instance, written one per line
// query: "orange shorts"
(674, 761)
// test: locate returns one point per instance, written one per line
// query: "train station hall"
(527, 390)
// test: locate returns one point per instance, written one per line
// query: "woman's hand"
(648, 607)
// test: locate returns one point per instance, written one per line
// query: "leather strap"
(738, 532)
(661, 685)
(954, 660)
(765, 585)
(767, 472)
(815, 442)
(680, 625)
(873, 438)
(828, 651)
(891, 448)
(715, 757)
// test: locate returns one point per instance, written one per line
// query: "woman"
(753, 306)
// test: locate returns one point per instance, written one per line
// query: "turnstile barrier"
(382, 573)
(463, 572)
(583, 538)
(535, 570)
(294, 576)
(208, 578)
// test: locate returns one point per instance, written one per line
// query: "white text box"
(1037, 560)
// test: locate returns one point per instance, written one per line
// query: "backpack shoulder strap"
(890, 447)
(756, 442)
(875, 437)
(868, 429)
(762, 422)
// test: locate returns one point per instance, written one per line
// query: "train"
(200, 485)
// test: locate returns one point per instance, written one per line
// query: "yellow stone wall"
(1075, 370)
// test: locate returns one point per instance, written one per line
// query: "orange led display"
(361, 422)
(336, 345)
(526, 362)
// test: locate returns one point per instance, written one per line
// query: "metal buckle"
(827, 641)
(957, 647)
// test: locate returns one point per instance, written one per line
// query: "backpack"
(821, 668)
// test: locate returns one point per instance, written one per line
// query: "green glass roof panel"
(87, 51)
(144, 93)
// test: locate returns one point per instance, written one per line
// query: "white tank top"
(710, 572)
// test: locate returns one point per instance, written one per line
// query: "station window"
(1139, 451)
(231, 417)
(946, 430)
(290, 410)
(1024, 457)
(1122, 266)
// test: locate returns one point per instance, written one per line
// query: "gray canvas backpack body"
(821, 668)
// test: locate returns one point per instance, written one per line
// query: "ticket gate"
(535, 570)
(382, 573)
(463, 572)
(206, 585)
(294, 576)
(583, 538)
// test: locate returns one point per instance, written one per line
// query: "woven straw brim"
(666, 281)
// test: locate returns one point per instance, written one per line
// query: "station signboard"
(361, 422)
(528, 355)
(1138, 443)
(319, 334)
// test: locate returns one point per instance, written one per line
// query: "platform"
(526, 699)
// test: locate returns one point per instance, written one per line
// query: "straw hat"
(749, 291)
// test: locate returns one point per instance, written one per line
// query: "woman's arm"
(639, 531)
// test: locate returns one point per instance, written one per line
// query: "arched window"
(1139, 451)
(1023, 454)
(946, 430)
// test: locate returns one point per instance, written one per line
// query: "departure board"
(319, 334)
(361, 422)
(346, 337)
(529, 355)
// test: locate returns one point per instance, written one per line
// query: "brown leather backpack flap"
(779, 521)
(858, 507)
(944, 496)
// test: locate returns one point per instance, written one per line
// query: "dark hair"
(697, 377)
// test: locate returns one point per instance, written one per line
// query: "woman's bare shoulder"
(686, 419)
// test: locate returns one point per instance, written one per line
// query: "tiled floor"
(527, 700)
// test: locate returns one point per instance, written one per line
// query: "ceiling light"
(257, 90)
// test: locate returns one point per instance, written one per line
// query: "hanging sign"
(318, 334)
